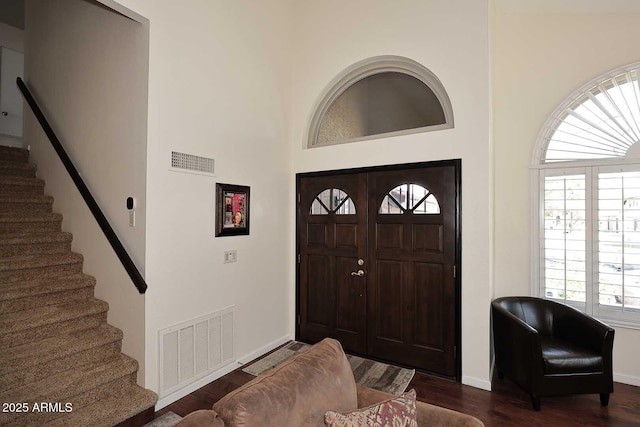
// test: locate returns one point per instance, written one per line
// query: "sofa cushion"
(397, 412)
(296, 393)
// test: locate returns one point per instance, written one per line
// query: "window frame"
(591, 167)
(364, 69)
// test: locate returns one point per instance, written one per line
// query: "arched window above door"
(333, 200)
(412, 198)
(378, 97)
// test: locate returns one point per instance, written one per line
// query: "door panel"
(333, 239)
(412, 319)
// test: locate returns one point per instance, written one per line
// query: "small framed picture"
(232, 210)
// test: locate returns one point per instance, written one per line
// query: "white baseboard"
(177, 395)
(626, 379)
(168, 400)
(477, 383)
(264, 349)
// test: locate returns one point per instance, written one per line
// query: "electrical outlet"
(230, 256)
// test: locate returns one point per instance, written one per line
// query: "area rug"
(166, 420)
(368, 373)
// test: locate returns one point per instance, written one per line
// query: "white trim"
(124, 11)
(626, 379)
(536, 232)
(476, 382)
(264, 349)
(550, 125)
(369, 67)
(179, 394)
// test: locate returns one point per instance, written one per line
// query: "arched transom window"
(377, 97)
(587, 169)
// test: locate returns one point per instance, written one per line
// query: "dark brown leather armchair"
(551, 349)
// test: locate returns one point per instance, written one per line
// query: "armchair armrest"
(517, 346)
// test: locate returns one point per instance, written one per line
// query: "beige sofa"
(299, 392)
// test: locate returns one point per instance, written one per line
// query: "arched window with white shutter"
(586, 167)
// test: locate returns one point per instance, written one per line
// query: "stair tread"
(35, 217)
(36, 317)
(25, 199)
(19, 180)
(44, 237)
(110, 411)
(22, 262)
(65, 385)
(12, 290)
(32, 353)
(5, 163)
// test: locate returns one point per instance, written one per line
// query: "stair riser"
(39, 372)
(31, 227)
(20, 156)
(34, 249)
(78, 401)
(35, 301)
(25, 208)
(12, 339)
(40, 272)
(21, 190)
(19, 172)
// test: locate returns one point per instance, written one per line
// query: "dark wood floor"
(506, 405)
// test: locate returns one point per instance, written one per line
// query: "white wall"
(87, 67)
(541, 57)
(451, 38)
(218, 81)
(11, 37)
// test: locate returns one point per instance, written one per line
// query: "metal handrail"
(111, 236)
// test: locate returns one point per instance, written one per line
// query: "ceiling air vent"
(182, 162)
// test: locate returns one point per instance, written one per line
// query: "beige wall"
(87, 67)
(450, 38)
(218, 85)
(540, 59)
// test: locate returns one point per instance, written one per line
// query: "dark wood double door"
(377, 262)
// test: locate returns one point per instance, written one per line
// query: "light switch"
(230, 256)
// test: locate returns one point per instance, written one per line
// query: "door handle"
(4, 113)
(358, 273)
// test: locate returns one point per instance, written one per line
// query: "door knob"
(4, 113)
(358, 273)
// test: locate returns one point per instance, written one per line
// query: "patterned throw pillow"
(398, 412)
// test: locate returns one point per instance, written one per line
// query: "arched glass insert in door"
(333, 200)
(412, 198)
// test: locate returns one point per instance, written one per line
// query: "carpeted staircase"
(56, 347)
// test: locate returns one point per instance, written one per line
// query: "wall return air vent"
(189, 163)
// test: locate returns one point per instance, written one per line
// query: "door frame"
(457, 164)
